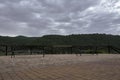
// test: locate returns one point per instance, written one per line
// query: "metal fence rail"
(55, 49)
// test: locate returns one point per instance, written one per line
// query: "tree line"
(62, 43)
(74, 39)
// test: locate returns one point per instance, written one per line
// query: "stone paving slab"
(61, 67)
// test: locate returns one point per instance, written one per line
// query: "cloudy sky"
(41, 17)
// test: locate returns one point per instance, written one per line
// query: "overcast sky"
(41, 17)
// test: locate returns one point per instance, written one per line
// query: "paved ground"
(61, 67)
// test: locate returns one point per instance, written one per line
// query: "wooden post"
(43, 52)
(109, 51)
(12, 52)
(51, 50)
(80, 52)
(96, 50)
(6, 49)
(76, 51)
(71, 50)
(30, 50)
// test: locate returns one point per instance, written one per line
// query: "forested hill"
(18, 40)
(79, 39)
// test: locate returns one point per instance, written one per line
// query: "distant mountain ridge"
(74, 39)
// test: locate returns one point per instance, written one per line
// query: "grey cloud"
(102, 23)
(40, 17)
(117, 21)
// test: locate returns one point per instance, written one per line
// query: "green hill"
(75, 39)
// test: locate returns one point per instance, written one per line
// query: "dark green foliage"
(64, 44)
(19, 40)
(76, 39)
(80, 39)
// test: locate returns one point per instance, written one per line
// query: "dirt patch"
(60, 67)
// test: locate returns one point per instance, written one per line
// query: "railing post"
(43, 52)
(30, 50)
(12, 52)
(96, 50)
(6, 50)
(71, 50)
(109, 51)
